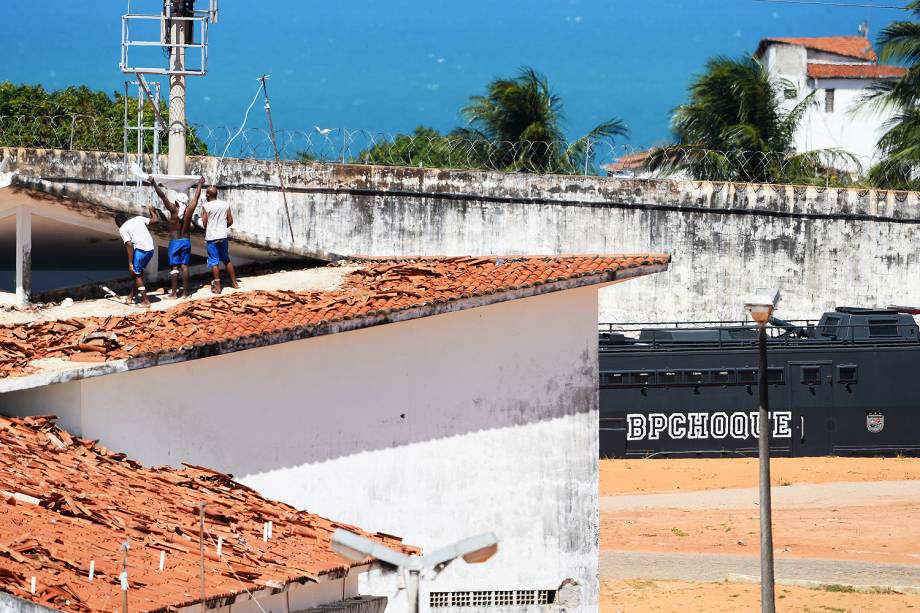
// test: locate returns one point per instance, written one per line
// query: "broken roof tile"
(380, 288)
(66, 502)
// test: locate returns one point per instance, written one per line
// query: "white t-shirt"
(217, 220)
(135, 230)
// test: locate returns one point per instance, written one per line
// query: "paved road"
(799, 496)
(715, 567)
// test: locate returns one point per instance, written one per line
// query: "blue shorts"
(180, 252)
(218, 251)
(141, 259)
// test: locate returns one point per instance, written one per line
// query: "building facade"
(473, 409)
(839, 73)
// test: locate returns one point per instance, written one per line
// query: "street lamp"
(473, 550)
(761, 308)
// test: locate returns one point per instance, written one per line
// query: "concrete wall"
(433, 429)
(822, 247)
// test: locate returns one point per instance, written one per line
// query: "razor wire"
(466, 151)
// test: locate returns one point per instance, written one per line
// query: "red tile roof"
(65, 502)
(382, 290)
(854, 71)
(629, 162)
(857, 47)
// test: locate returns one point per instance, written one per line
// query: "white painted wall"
(433, 429)
(853, 127)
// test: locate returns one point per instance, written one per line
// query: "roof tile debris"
(67, 503)
(382, 286)
(854, 71)
(858, 47)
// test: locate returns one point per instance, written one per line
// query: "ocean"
(390, 66)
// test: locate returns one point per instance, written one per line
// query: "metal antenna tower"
(181, 32)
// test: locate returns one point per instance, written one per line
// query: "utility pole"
(178, 36)
(271, 131)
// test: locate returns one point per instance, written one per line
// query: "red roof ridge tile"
(854, 71)
(855, 46)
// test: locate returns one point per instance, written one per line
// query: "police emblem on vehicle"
(875, 422)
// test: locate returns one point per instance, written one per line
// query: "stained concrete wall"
(433, 429)
(822, 247)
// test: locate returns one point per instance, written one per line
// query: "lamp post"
(473, 550)
(761, 308)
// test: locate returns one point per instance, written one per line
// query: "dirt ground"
(868, 517)
(680, 597)
(668, 475)
(835, 532)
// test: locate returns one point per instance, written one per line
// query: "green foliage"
(75, 118)
(515, 126)
(900, 42)
(423, 147)
(734, 128)
(519, 123)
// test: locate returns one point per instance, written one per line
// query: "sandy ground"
(680, 597)
(828, 512)
(885, 534)
(309, 279)
(646, 476)
(864, 509)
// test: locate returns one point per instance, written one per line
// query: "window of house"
(829, 100)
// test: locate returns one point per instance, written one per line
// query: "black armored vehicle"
(848, 384)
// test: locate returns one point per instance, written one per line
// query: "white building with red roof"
(430, 397)
(840, 71)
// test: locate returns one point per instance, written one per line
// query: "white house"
(433, 398)
(840, 71)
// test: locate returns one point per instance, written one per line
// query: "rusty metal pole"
(271, 131)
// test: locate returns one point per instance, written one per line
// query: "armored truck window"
(811, 375)
(668, 377)
(642, 378)
(612, 378)
(846, 373)
(776, 375)
(748, 376)
(695, 377)
(723, 377)
(830, 327)
(883, 326)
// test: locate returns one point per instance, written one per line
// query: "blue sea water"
(389, 66)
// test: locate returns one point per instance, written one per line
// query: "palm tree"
(735, 128)
(900, 43)
(517, 125)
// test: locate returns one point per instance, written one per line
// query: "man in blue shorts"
(139, 243)
(217, 219)
(180, 243)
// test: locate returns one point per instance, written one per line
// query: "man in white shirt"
(217, 218)
(139, 244)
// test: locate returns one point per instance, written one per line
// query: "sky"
(388, 66)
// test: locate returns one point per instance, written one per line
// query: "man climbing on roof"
(139, 244)
(180, 242)
(217, 218)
